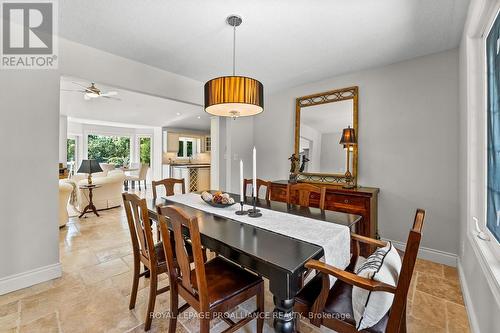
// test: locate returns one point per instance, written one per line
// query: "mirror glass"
(320, 132)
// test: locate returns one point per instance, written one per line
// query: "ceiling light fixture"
(234, 96)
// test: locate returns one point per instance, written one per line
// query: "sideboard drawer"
(278, 193)
(348, 201)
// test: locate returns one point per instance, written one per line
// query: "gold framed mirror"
(319, 123)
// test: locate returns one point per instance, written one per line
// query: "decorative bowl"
(218, 199)
(218, 205)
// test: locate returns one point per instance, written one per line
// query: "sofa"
(108, 195)
(64, 192)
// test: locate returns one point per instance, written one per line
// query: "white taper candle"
(254, 185)
(241, 181)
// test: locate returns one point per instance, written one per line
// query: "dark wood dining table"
(277, 257)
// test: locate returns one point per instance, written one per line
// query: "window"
(145, 150)
(109, 149)
(187, 147)
(71, 150)
(493, 129)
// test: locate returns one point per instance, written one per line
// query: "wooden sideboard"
(361, 201)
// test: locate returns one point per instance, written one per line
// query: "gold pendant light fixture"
(234, 96)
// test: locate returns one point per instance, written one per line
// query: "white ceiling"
(133, 108)
(329, 117)
(281, 43)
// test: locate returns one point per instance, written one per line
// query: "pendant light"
(234, 96)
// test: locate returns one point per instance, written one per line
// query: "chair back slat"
(410, 257)
(169, 184)
(179, 221)
(260, 183)
(304, 191)
(139, 226)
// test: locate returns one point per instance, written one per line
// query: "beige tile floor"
(93, 293)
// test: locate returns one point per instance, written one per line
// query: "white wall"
(29, 133)
(63, 136)
(239, 145)
(408, 134)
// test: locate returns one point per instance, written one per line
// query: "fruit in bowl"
(217, 199)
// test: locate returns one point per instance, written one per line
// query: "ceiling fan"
(92, 92)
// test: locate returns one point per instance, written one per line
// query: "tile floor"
(93, 293)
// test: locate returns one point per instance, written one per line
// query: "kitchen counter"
(186, 163)
(191, 166)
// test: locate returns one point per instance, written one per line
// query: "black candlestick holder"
(241, 211)
(254, 212)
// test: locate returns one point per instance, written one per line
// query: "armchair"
(333, 307)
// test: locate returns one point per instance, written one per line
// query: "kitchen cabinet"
(208, 143)
(203, 179)
(172, 142)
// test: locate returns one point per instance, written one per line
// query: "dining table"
(279, 258)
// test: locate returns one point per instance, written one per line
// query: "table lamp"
(348, 140)
(89, 166)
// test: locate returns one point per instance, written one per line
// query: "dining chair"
(303, 193)
(138, 176)
(145, 251)
(211, 288)
(260, 183)
(169, 184)
(333, 308)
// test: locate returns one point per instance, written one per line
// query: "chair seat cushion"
(225, 280)
(338, 304)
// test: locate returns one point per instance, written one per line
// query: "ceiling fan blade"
(79, 84)
(115, 98)
(110, 93)
(80, 91)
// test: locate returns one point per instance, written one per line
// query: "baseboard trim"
(471, 314)
(426, 253)
(29, 278)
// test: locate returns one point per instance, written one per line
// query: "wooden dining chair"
(332, 308)
(145, 251)
(303, 192)
(211, 288)
(260, 183)
(169, 184)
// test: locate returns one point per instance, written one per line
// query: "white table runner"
(333, 238)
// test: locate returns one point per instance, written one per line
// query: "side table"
(90, 206)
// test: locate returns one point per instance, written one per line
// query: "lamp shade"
(234, 96)
(89, 166)
(348, 137)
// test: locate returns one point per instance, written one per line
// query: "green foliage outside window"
(187, 145)
(189, 148)
(109, 149)
(70, 149)
(180, 153)
(145, 150)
